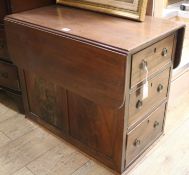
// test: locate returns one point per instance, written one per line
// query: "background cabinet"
(9, 79)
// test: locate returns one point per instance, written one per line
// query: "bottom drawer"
(145, 134)
(9, 76)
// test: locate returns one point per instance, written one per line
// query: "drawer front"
(3, 46)
(2, 10)
(157, 92)
(145, 134)
(155, 57)
(9, 76)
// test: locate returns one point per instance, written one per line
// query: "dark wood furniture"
(9, 79)
(83, 74)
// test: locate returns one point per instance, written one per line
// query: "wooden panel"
(3, 46)
(145, 134)
(92, 125)
(92, 72)
(154, 57)
(2, 10)
(115, 160)
(47, 101)
(155, 96)
(9, 76)
(18, 5)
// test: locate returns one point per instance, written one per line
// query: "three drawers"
(157, 92)
(3, 46)
(154, 58)
(9, 76)
(146, 114)
(145, 134)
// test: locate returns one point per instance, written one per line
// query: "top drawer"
(154, 57)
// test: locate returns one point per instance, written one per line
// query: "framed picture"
(134, 9)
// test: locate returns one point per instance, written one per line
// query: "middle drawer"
(157, 92)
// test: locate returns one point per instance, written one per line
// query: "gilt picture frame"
(133, 9)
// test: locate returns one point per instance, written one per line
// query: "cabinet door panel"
(47, 101)
(91, 124)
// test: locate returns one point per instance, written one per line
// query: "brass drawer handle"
(160, 88)
(143, 64)
(139, 104)
(156, 124)
(4, 75)
(137, 142)
(164, 52)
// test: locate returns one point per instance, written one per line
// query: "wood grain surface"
(125, 34)
(95, 73)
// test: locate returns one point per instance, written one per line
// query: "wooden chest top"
(104, 30)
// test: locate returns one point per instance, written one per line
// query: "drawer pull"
(160, 88)
(139, 104)
(4, 75)
(164, 52)
(156, 124)
(143, 64)
(137, 142)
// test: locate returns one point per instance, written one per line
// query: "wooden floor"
(27, 149)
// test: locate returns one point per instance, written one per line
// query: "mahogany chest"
(98, 81)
